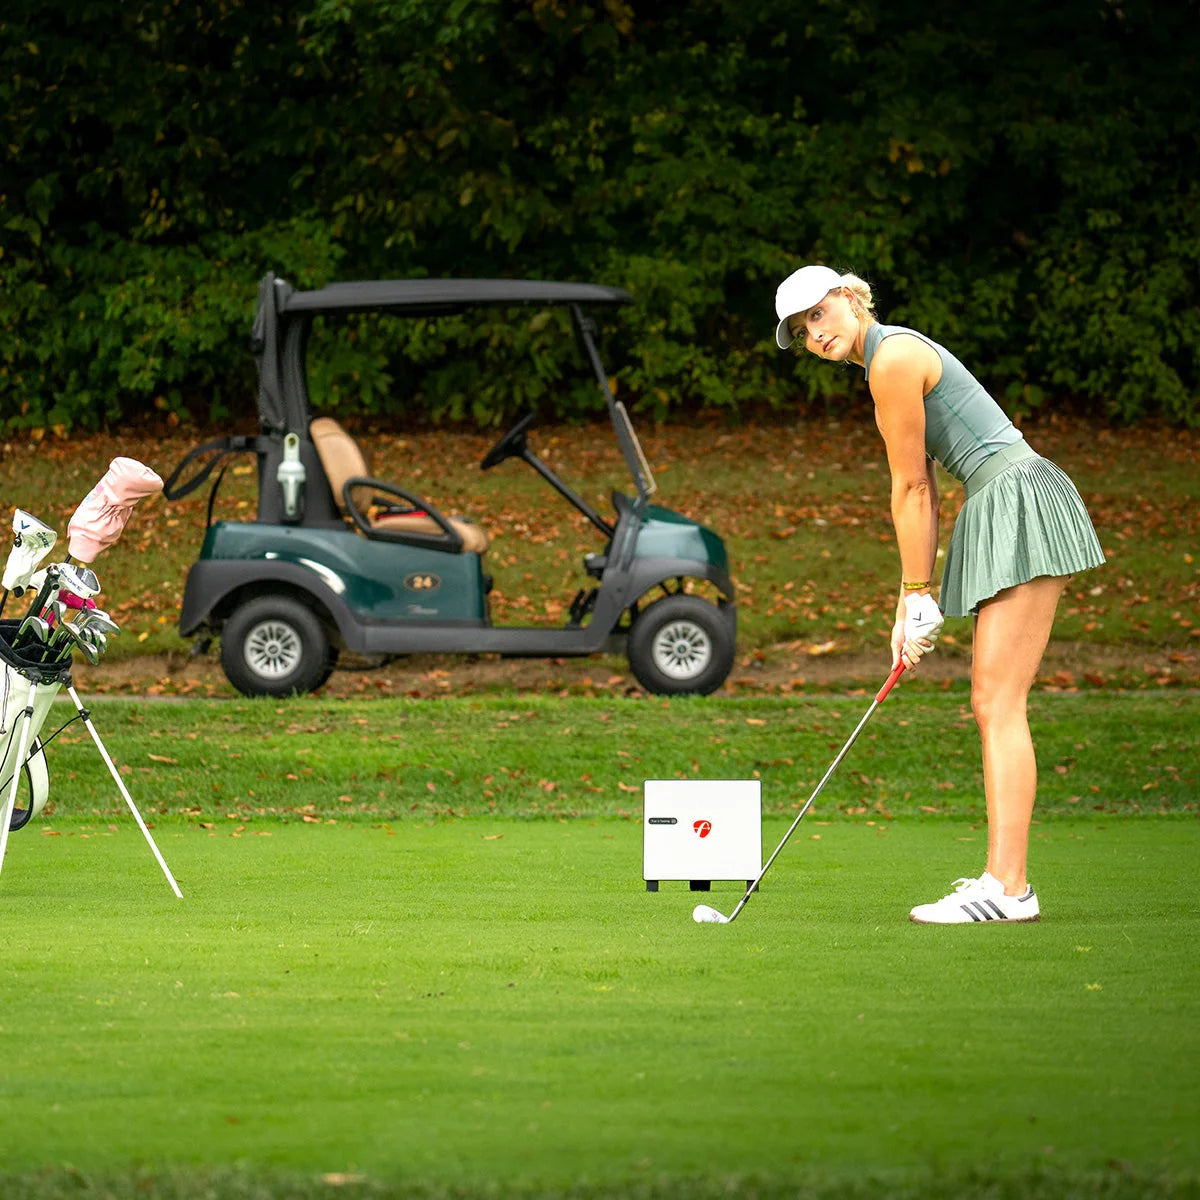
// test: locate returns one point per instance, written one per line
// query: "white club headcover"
(32, 541)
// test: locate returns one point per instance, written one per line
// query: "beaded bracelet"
(915, 587)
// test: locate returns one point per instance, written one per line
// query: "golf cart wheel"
(681, 645)
(275, 646)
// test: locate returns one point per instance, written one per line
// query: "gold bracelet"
(915, 587)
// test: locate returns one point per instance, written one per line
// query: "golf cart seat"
(394, 515)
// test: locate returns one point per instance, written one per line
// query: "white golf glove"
(923, 622)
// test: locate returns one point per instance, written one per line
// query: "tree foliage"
(1017, 181)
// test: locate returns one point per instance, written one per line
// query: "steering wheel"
(511, 445)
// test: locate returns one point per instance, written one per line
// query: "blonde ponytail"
(860, 289)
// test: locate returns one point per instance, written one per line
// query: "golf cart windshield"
(631, 450)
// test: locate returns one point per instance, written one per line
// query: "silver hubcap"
(682, 650)
(272, 649)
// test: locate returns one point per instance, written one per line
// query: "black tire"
(681, 645)
(275, 646)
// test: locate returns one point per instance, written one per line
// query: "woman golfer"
(1022, 531)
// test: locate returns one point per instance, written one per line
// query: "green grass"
(490, 1000)
(328, 1012)
(415, 957)
(563, 757)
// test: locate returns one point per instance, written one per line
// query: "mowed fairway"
(487, 999)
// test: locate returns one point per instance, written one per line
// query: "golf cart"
(340, 562)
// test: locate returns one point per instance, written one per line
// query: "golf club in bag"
(703, 914)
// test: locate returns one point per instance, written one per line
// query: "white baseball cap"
(798, 292)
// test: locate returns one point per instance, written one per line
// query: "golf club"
(72, 638)
(46, 582)
(56, 618)
(32, 631)
(703, 914)
(99, 620)
(79, 581)
(52, 617)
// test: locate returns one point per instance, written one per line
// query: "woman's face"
(830, 329)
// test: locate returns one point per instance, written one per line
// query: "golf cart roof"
(284, 317)
(425, 296)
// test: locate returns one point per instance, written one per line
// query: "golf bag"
(21, 669)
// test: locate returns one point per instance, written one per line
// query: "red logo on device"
(702, 828)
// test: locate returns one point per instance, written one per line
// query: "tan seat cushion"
(339, 455)
(342, 460)
(474, 538)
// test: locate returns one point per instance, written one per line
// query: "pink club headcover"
(103, 513)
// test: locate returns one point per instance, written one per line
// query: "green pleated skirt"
(1022, 518)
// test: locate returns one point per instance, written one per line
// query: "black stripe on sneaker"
(984, 913)
(996, 909)
(967, 908)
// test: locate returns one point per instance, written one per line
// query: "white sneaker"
(977, 900)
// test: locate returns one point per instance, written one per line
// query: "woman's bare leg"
(1011, 633)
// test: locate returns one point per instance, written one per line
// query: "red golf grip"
(881, 695)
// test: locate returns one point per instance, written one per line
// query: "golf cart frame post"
(355, 588)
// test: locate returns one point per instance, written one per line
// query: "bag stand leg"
(22, 746)
(108, 762)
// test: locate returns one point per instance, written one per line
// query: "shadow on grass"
(1115, 1181)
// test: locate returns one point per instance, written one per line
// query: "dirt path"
(778, 672)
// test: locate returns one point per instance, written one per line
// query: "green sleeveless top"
(964, 426)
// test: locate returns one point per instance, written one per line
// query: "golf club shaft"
(49, 586)
(880, 697)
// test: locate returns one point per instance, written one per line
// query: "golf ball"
(703, 914)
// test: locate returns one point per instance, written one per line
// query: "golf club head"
(80, 581)
(96, 638)
(32, 541)
(33, 630)
(75, 640)
(99, 620)
(702, 914)
(104, 512)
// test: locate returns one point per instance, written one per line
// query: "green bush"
(1017, 183)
